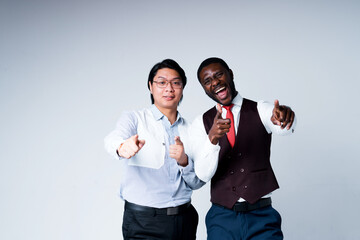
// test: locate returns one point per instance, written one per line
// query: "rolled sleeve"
(125, 128)
(205, 154)
(189, 176)
(206, 164)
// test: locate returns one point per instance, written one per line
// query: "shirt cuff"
(211, 147)
(188, 168)
(115, 151)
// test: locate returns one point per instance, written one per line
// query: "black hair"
(167, 63)
(209, 61)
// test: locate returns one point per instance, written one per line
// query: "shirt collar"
(158, 115)
(156, 112)
(238, 100)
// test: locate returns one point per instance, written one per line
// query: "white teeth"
(220, 89)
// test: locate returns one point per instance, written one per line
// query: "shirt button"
(242, 170)
(234, 189)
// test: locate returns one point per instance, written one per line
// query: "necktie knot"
(228, 108)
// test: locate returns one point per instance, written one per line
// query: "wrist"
(184, 162)
(118, 150)
(214, 140)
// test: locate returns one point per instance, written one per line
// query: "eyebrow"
(215, 73)
(176, 78)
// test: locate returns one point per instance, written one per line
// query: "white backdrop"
(68, 69)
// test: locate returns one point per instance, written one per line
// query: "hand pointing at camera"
(282, 115)
(220, 126)
(130, 147)
(177, 152)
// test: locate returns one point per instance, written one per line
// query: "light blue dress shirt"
(160, 186)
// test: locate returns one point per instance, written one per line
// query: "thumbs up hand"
(130, 147)
(220, 126)
(177, 152)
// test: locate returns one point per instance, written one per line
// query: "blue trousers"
(259, 224)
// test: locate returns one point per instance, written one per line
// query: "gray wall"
(68, 69)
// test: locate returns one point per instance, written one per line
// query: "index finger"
(276, 104)
(218, 111)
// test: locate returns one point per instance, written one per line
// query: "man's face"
(217, 82)
(167, 89)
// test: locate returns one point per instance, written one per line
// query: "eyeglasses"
(174, 84)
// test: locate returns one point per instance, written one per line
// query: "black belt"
(245, 206)
(157, 211)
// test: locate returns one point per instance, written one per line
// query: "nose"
(214, 81)
(169, 87)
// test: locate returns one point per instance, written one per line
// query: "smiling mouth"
(221, 93)
(219, 90)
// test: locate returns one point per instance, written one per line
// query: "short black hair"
(167, 63)
(209, 61)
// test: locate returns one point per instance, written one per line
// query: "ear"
(150, 87)
(231, 74)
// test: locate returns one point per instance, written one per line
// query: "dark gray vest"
(244, 170)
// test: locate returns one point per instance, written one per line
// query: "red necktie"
(231, 133)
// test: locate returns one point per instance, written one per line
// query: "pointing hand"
(177, 152)
(282, 115)
(130, 147)
(220, 126)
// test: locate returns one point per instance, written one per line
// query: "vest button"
(234, 189)
(245, 187)
(242, 170)
(239, 154)
(231, 172)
